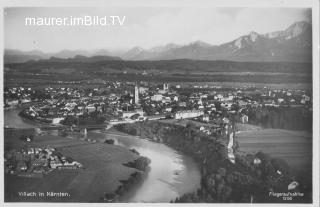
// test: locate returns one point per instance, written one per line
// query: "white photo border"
(313, 4)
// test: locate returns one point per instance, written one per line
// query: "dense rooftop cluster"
(120, 101)
(36, 161)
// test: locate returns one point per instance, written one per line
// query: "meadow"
(102, 172)
(295, 147)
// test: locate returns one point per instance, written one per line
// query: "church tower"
(136, 94)
(165, 86)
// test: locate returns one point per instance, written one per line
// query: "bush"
(109, 141)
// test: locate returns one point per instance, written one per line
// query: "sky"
(145, 27)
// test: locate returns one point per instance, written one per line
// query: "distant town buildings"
(41, 161)
(115, 101)
(157, 97)
(129, 114)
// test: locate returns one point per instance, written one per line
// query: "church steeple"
(136, 94)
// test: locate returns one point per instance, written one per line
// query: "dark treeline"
(181, 65)
(85, 119)
(142, 163)
(222, 181)
(75, 76)
(290, 118)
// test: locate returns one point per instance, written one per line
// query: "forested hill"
(167, 66)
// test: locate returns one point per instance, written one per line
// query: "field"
(247, 127)
(293, 86)
(103, 170)
(295, 147)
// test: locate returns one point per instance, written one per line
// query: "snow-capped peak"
(296, 29)
(292, 31)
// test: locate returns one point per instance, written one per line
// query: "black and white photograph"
(203, 104)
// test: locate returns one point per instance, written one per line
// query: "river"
(12, 119)
(172, 174)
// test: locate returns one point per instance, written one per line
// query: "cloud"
(265, 20)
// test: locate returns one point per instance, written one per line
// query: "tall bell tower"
(136, 94)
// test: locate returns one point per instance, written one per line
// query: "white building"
(90, 108)
(156, 97)
(188, 114)
(244, 119)
(25, 100)
(13, 102)
(143, 90)
(166, 99)
(168, 109)
(206, 118)
(57, 120)
(218, 97)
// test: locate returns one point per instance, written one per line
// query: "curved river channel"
(172, 174)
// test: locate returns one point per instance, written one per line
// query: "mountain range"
(293, 44)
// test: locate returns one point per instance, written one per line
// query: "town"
(36, 162)
(117, 101)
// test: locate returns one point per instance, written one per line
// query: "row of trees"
(86, 119)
